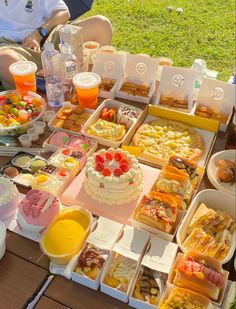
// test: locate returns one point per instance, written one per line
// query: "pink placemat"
(75, 194)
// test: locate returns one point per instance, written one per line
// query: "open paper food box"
(207, 129)
(215, 101)
(111, 69)
(98, 128)
(215, 200)
(176, 88)
(158, 260)
(172, 275)
(100, 240)
(139, 80)
(121, 268)
(70, 118)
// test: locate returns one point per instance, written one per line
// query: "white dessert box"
(212, 199)
(103, 237)
(217, 94)
(110, 66)
(177, 83)
(159, 256)
(132, 244)
(172, 275)
(141, 70)
(96, 115)
(229, 295)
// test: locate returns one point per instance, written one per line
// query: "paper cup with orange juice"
(66, 235)
(86, 85)
(23, 73)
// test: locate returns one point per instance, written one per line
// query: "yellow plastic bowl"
(66, 235)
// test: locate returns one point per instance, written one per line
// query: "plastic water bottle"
(54, 87)
(68, 69)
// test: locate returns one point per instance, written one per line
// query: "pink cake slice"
(37, 210)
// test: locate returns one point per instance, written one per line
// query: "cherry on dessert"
(106, 172)
(109, 156)
(66, 151)
(118, 156)
(118, 172)
(99, 167)
(63, 173)
(99, 158)
(124, 167)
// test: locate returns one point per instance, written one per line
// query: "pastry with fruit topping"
(113, 176)
(127, 115)
(37, 210)
(90, 262)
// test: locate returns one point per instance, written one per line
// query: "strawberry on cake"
(113, 176)
(37, 210)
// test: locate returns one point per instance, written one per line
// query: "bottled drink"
(231, 141)
(54, 87)
(68, 69)
(73, 35)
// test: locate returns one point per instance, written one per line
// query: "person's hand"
(32, 41)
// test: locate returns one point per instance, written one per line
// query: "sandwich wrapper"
(109, 66)
(159, 256)
(172, 275)
(217, 95)
(141, 70)
(177, 83)
(132, 245)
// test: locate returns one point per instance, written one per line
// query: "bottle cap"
(49, 47)
(86, 80)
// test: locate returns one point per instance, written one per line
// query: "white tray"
(213, 199)
(211, 171)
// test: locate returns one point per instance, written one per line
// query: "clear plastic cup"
(107, 49)
(39, 126)
(23, 73)
(90, 48)
(48, 116)
(86, 61)
(33, 133)
(25, 140)
(86, 85)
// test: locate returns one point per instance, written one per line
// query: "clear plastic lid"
(49, 47)
(86, 80)
(23, 68)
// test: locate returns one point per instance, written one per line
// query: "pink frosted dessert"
(37, 210)
(9, 198)
(79, 143)
(59, 139)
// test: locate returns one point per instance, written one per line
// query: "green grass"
(205, 30)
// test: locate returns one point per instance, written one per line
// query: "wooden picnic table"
(24, 268)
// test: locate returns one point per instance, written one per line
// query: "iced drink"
(23, 73)
(86, 85)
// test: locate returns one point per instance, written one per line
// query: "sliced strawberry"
(106, 172)
(99, 158)
(125, 161)
(124, 167)
(66, 151)
(118, 156)
(118, 172)
(99, 167)
(109, 156)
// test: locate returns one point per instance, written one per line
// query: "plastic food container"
(66, 234)
(212, 199)
(2, 239)
(20, 129)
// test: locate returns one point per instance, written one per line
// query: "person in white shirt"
(25, 25)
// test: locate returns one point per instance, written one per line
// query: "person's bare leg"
(96, 28)
(7, 57)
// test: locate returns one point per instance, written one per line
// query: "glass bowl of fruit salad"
(18, 113)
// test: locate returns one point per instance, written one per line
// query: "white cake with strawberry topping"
(113, 176)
